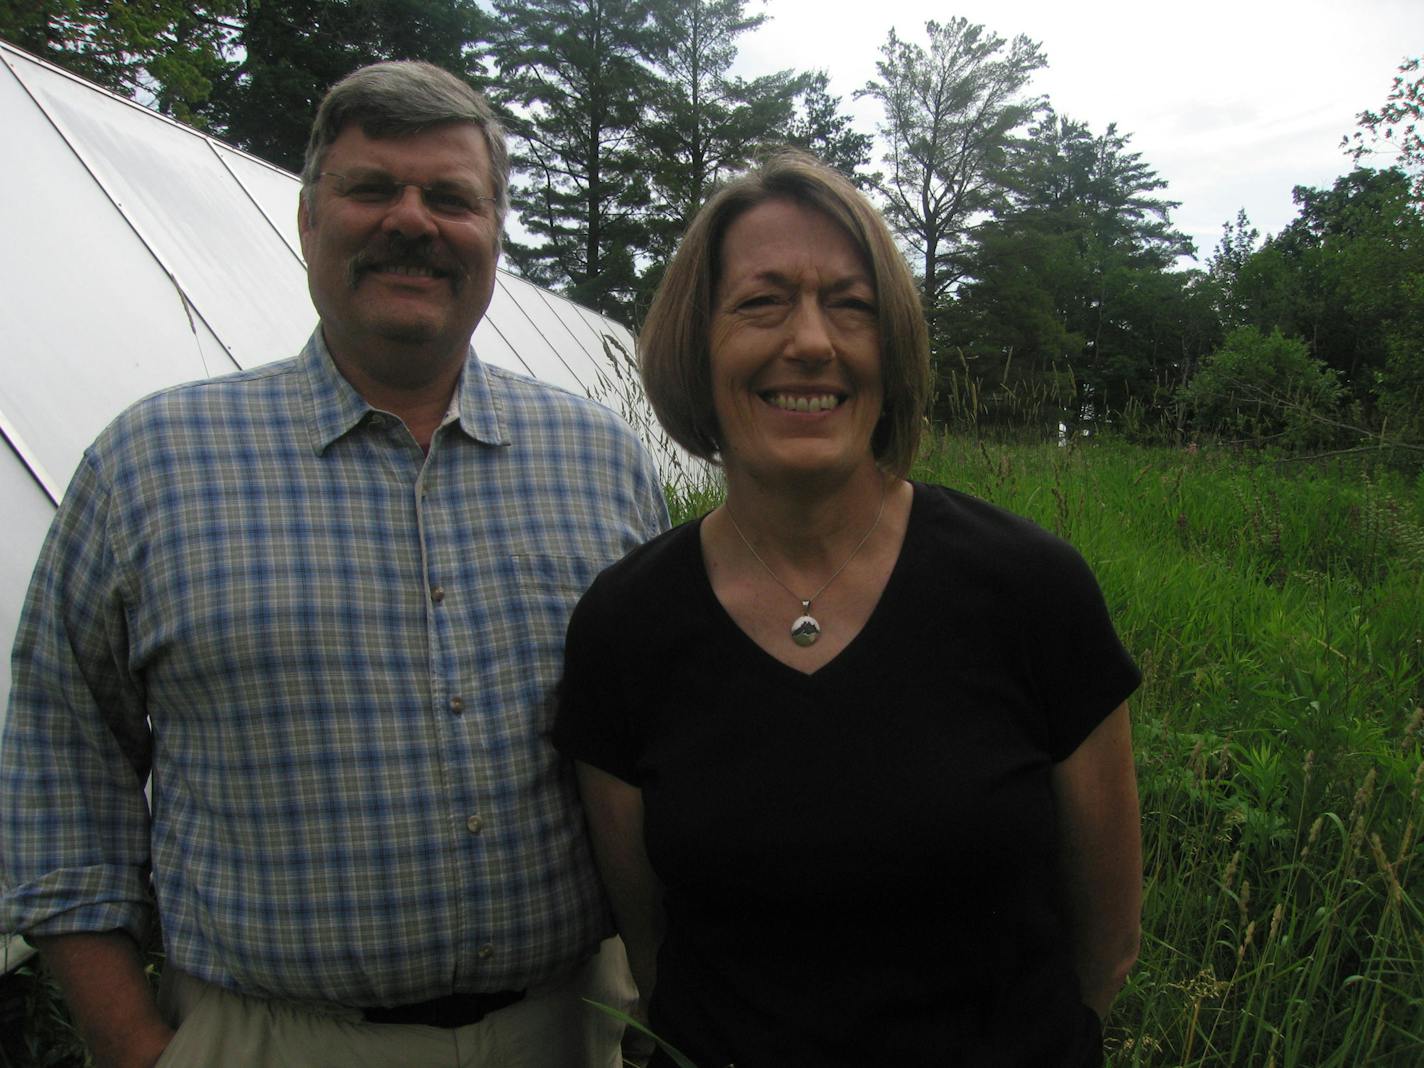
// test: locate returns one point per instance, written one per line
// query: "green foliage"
(679, 1059)
(1237, 245)
(703, 124)
(1395, 128)
(35, 1027)
(1264, 388)
(706, 124)
(951, 111)
(821, 128)
(574, 78)
(1279, 740)
(1072, 275)
(1399, 387)
(167, 53)
(292, 51)
(1344, 275)
(251, 72)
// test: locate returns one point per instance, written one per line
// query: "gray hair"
(405, 97)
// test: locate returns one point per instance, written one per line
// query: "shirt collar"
(334, 406)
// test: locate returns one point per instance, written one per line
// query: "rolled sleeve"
(74, 841)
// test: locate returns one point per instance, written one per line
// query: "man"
(323, 603)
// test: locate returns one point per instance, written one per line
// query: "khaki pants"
(550, 1028)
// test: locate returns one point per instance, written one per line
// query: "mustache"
(397, 250)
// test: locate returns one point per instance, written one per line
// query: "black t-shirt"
(858, 864)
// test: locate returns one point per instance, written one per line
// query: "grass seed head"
(1230, 877)
(1247, 941)
(1312, 836)
(1413, 727)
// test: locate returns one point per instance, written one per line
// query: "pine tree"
(703, 125)
(824, 130)
(294, 50)
(1074, 276)
(574, 79)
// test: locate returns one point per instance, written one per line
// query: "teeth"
(799, 402)
(409, 271)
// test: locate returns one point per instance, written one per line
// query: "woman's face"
(795, 346)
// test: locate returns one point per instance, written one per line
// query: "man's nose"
(408, 215)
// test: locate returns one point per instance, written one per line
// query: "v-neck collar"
(881, 616)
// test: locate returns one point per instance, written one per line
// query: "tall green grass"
(1278, 615)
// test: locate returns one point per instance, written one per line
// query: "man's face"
(396, 277)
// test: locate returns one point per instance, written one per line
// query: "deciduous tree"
(1395, 129)
(1264, 389)
(951, 111)
(164, 53)
(1239, 242)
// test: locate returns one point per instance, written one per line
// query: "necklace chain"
(806, 601)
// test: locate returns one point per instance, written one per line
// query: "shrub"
(1264, 389)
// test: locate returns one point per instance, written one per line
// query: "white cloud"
(1233, 102)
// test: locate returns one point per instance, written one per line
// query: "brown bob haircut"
(674, 351)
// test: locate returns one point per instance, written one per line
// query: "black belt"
(452, 1010)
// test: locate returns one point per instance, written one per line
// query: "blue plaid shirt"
(347, 652)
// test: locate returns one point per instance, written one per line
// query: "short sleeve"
(593, 719)
(1079, 668)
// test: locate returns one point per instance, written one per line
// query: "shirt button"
(474, 824)
(437, 594)
(486, 951)
(457, 705)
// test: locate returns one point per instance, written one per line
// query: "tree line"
(1049, 265)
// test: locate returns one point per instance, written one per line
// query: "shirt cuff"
(80, 901)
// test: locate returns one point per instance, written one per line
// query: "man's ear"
(304, 223)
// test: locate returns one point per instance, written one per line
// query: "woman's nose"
(810, 337)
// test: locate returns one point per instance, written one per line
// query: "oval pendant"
(805, 630)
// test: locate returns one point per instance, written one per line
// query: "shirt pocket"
(530, 646)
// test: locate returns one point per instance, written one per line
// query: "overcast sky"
(1233, 103)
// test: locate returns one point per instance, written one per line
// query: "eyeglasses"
(446, 199)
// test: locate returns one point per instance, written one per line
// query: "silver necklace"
(805, 628)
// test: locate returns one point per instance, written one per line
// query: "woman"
(854, 751)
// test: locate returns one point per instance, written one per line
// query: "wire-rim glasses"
(451, 200)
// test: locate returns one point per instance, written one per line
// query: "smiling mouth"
(397, 269)
(399, 257)
(406, 270)
(803, 402)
